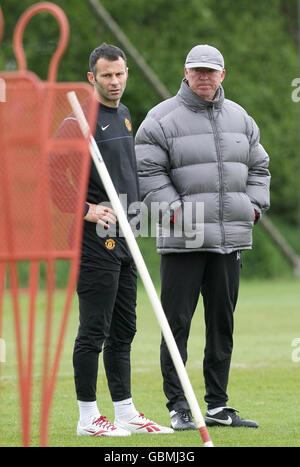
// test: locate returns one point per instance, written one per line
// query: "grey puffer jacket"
(205, 153)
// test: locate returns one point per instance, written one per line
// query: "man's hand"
(100, 214)
(257, 216)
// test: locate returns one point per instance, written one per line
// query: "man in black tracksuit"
(107, 280)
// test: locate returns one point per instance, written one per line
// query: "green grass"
(264, 380)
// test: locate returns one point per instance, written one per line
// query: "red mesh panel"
(44, 169)
(44, 172)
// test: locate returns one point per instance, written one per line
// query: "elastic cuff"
(86, 209)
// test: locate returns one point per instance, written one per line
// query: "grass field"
(264, 381)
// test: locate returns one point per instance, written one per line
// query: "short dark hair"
(108, 51)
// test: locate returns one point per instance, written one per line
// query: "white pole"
(142, 269)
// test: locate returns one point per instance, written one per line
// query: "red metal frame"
(58, 13)
(40, 244)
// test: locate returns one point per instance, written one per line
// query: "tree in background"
(257, 38)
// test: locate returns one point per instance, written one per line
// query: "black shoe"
(228, 417)
(182, 420)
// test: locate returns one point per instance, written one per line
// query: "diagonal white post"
(142, 269)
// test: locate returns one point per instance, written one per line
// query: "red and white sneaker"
(99, 426)
(142, 424)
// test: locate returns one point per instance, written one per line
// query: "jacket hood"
(195, 102)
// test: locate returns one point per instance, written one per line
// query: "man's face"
(204, 81)
(109, 80)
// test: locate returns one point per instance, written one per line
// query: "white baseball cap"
(205, 56)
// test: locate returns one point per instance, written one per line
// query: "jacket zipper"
(220, 170)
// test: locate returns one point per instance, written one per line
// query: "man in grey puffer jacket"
(199, 156)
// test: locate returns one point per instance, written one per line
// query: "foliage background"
(258, 39)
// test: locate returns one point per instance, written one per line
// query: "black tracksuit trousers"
(183, 277)
(107, 320)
